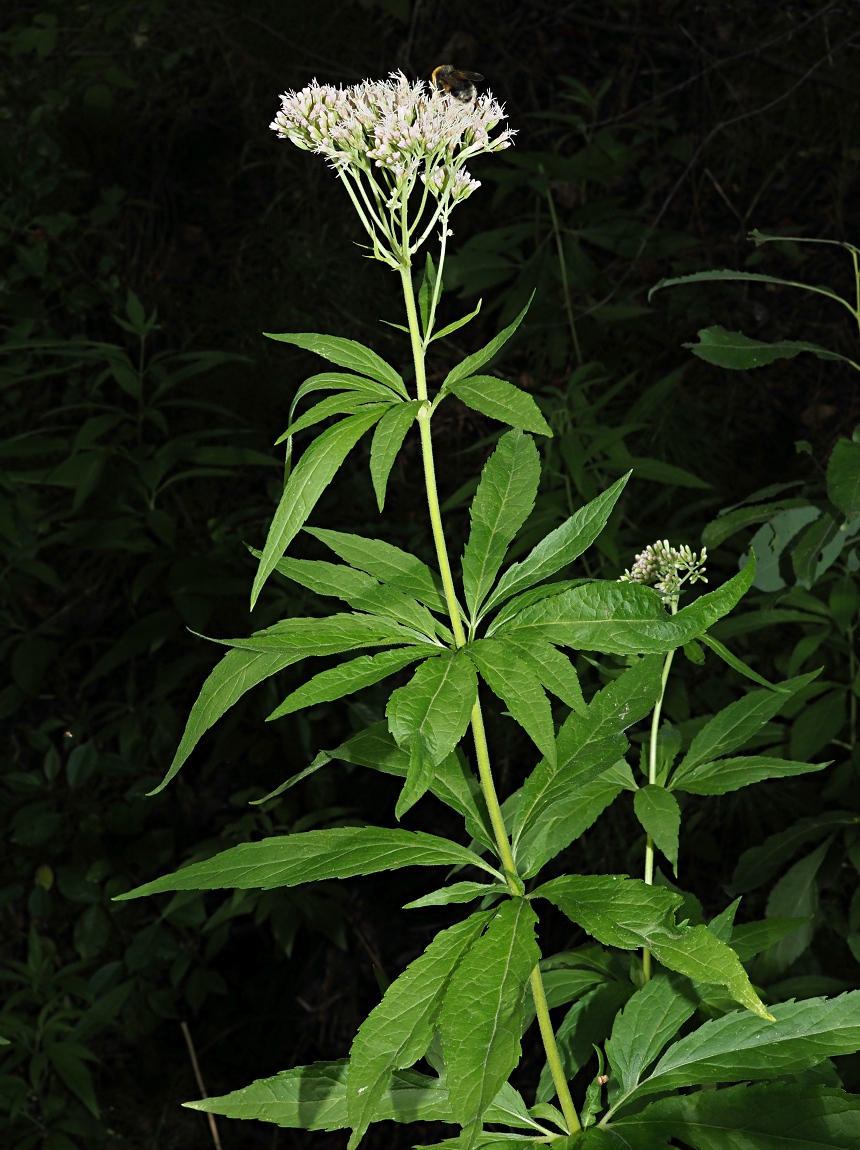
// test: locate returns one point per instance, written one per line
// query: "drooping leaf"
(735, 724)
(798, 1116)
(659, 814)
(398, 1030)
(235, 674)
(560, 547)
(387, 563)
(502, 503)
(346, 403)
(481, 1018)
(457, 892)
(310, 477)
(723, 274)
(759, 864)
(511, 678)
(700, 955)
(501, 400)
(334, 381)
(477, 360)
(346, 679)
(587, 1024)
(289, 860)
(429, 716)
(314, 1098)
(346, 353)
(387, 441)
(741, 1047)
(651, 1018)
(734, 350)
(731, 774)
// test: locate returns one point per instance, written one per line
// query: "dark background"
(135, 156)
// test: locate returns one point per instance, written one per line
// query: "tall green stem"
(652, 779)
(482, 755)
(562, 267)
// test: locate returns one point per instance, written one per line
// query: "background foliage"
(152, 227)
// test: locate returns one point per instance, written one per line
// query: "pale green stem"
(437, 286)
(485, 773)
(652, 779)
(562, 267)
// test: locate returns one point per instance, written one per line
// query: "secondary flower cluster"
(396, 125)
(662, 565)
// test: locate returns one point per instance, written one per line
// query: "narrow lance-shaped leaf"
(718, 274)
(477, 360)
(560, 547)
(501, 400)
(346, 679)
(759, 864)
(502, 503)
(387, 441)
(312, 474)
(553, 669)
(289, 860)
(659, 814)
(481, 1019)
(347, 403)
(730, 774)
(346, 353)
(330, 635)
(509, 677)
(335, 381)
(398, 1031)
(235, 674)
(387, 563)
(651, 1018)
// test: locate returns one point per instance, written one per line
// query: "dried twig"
(192, 1054)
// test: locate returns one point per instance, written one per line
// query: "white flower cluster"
(385, 136)
(662, 565)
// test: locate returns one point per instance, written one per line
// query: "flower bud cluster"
(661, 565)
(397, 126)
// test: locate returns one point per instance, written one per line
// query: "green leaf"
(724, 526)
(743, 277)
(651, 1018)
(628, 913)
(843, 476)
(472, 362)
(346, 353)
(453, 781)
(504, 500)
(736, 351)
(387, 441)
(659, 814)
(427, 291)
(481, 1019)
(429, 716)
(731, 774)
(560, 547)
(773, 1117)
(751, 938)
(387, 563)
(740, 1046)
(794, 896)
(289, 860)
(331, 635)
(511, 678)
(346, 680)
(623, 618)
(348, 402)
(450, 328)
(315, 1098)
(553, 669)
(398, 1030)
(235, 674)
(737, 723)
(501, 400)
(587, 1024)
(68, 1060)
(312, 474)
(333, 380)
(734, 662)
(759, 864)
(658, 471)
(457, 892)
(360, 590)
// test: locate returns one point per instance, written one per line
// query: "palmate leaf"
(511, 678)
(429, 716)
(289, 860)
(504, 500)
(387, 441)
(622, 618)
(730, 774)
(624, 912)
(764, 1117)
(346, 680)
(235, 674)
(315, 1098)
(501, 400)
(312, 474)
(387, 563)
(741, 1047)
(398, 1030)
(560, 547)
(346, 353)
(649, 1021)
(481, 1018)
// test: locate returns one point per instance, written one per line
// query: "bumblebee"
(458, 84)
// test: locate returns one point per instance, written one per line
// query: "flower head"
(662, 565)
